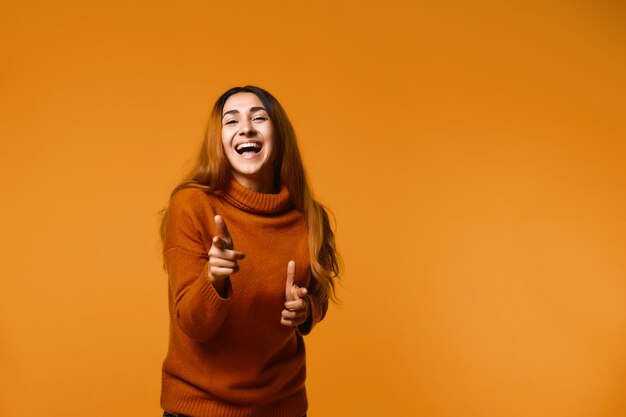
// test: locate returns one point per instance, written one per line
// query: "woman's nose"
(246, 129)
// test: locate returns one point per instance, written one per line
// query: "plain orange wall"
(473, 153)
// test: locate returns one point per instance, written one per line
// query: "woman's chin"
(250, 167)
(248, 171)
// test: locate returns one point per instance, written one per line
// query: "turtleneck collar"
(255, 202)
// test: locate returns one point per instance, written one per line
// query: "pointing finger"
(291, 273)
(222, 231)
(219, 242)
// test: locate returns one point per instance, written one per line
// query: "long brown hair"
(211, 172)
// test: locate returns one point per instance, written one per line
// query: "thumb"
(291, 273)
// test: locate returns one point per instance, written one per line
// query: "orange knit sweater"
(232, 357)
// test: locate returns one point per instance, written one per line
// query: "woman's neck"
(263, 184)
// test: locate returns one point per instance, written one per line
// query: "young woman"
(251, 261)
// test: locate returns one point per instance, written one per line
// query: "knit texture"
(231, 357)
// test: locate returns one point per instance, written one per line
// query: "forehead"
(242, 101)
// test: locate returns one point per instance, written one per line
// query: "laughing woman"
(252, 263)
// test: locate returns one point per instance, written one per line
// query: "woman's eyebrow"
(252, 110)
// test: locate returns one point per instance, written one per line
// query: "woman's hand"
(222, 258)
(297, 305)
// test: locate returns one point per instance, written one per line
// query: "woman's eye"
(260, 118)
(230, 122)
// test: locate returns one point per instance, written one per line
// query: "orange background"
(473, 154)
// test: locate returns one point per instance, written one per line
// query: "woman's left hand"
(297, 305)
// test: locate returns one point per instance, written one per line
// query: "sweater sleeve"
(318, 306)
(196, 306)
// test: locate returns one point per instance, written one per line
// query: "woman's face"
(248, 140)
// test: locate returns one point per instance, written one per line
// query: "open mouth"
(245, 147)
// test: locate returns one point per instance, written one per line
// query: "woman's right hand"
(222, 257)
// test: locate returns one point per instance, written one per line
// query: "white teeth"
(242, 147)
